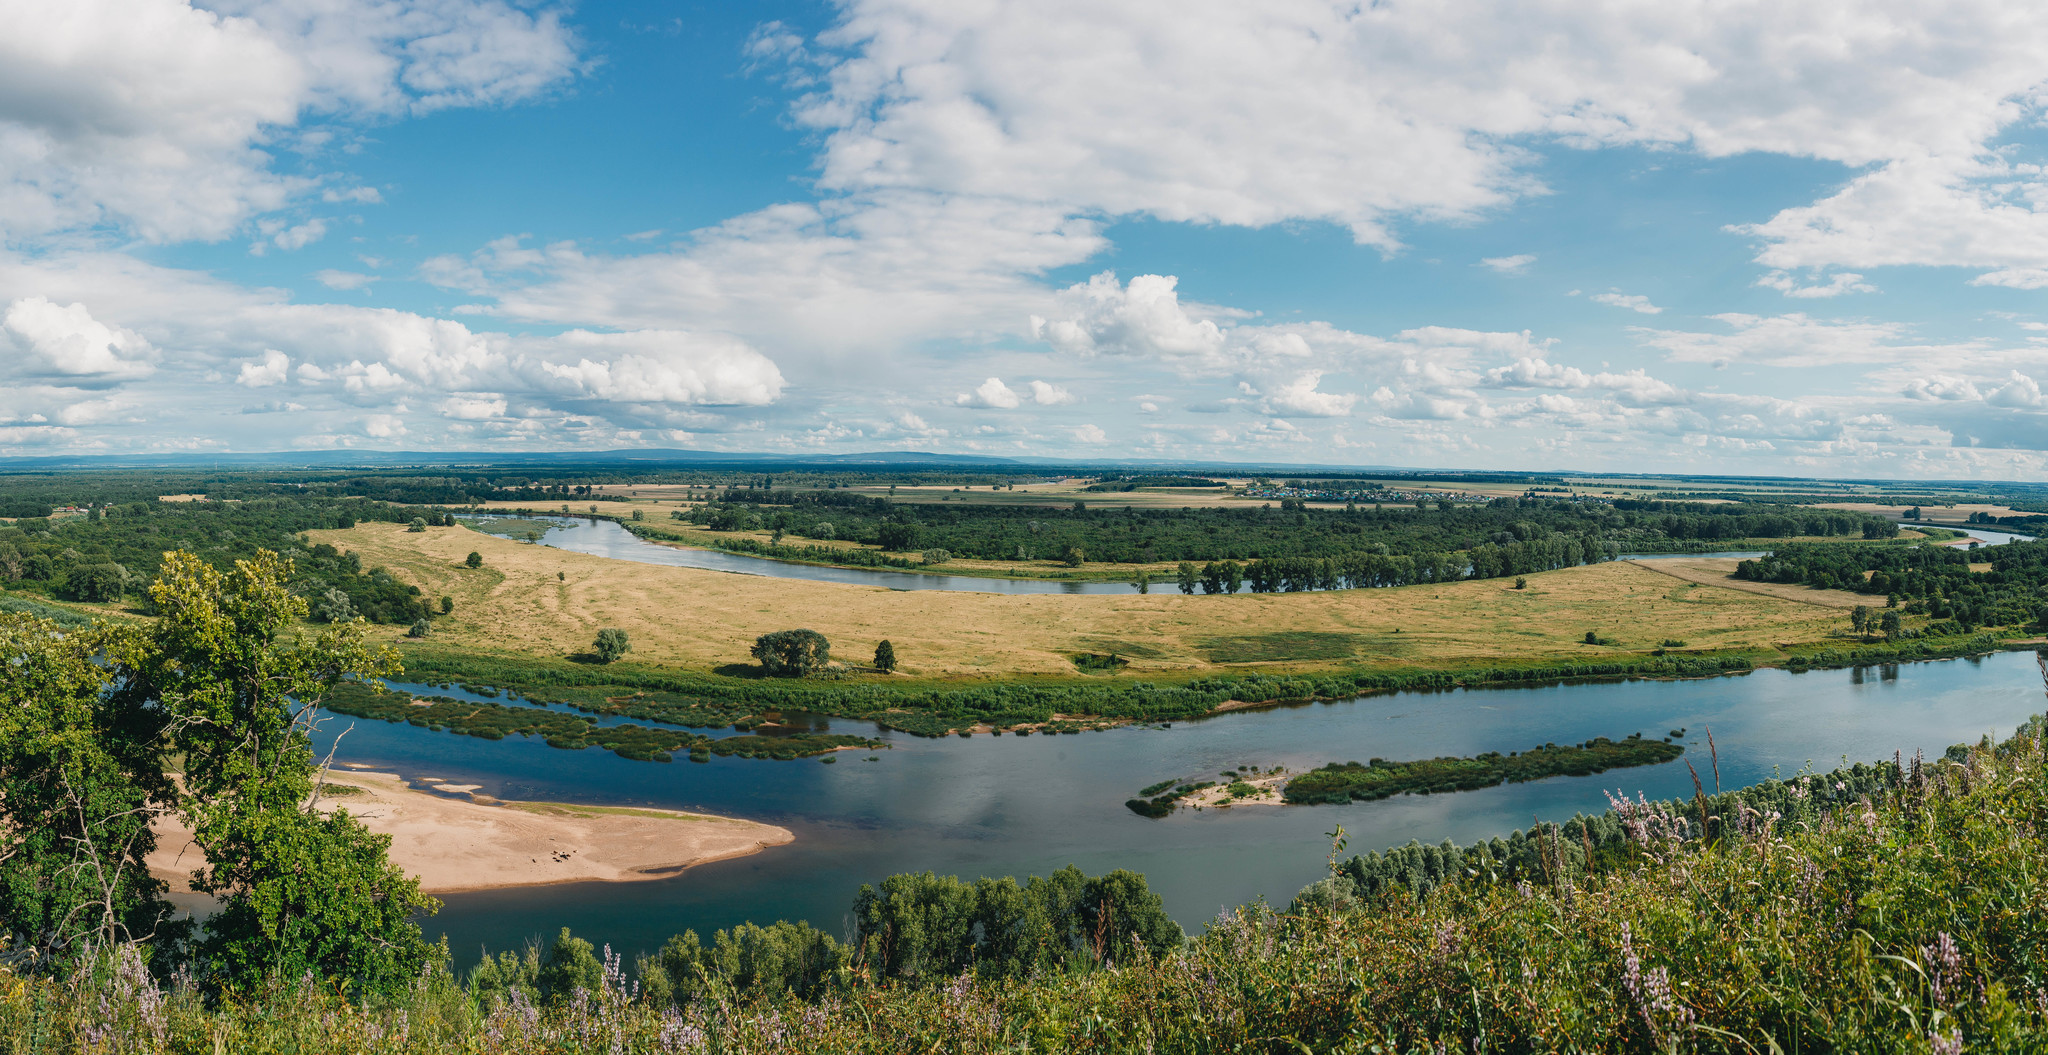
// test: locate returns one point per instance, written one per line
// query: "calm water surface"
(1027, 805)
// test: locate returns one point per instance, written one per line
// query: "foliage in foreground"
(92, 723)
(1902, 920)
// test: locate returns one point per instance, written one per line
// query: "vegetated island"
(1341, 782)
(475, 843)
(574, 732)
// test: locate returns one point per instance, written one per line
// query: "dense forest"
(1936, 581)
(1126, 534)
(110, 553)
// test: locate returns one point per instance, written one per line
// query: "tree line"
(1105, 533)
(113, 553)
(1934, 581)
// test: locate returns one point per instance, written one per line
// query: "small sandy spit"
(455, 842)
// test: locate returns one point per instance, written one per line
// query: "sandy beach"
(476, 843)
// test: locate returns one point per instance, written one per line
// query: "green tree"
(103, 581)
(474, 560)
(419, 628)
(1233, 576)
(793, 653)
(935, 556)
(447, 604)
(885, 657)
(334, 607)
(418, 524)
(1185, 574)
(1888, 623)
(81, 777)
(300, 891)
(1859, 619)
(611, 643)
(570, 964)
(1074, 556)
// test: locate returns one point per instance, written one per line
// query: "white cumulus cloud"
(65, 339)
(272, 369)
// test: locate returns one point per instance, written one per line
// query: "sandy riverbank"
(455, 844)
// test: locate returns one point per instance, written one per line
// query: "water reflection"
(1016, 806)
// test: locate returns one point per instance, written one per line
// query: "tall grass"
(1909, 919)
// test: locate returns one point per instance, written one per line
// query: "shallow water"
(1027, 805)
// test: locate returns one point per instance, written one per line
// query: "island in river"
(459, 841)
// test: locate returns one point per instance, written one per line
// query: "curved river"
(1027, 805)
(605, 538)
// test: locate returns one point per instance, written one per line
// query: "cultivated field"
(537, 600)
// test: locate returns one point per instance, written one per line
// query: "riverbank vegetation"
(574, 732)
(1363, 782)
(1889, 907)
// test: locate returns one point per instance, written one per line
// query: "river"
(1027, 805)
(605, 538)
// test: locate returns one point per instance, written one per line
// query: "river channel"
(605, 538)
(1027, 805)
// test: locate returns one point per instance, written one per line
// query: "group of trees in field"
(1363, 570)
(1935, 581)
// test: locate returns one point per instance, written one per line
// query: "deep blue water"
(1027, 805)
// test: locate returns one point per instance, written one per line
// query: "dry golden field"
(541, 601)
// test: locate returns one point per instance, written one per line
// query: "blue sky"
(1610, 235)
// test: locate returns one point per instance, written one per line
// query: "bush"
(793, 653)
(610, 644)
(418, 524)
(96, 582)
(935, 556)
(474, 560)
(334, 606)
(885, 657)
(419, 628)
(447, 604)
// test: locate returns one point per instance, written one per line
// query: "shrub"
(447, 604)
(885, 657)
(474, 560)
(418, 524)
(96, 582)
(935, 556)
(1521, 583)
(334, 606)
(610, 644)
(793, 653)
(419, 628)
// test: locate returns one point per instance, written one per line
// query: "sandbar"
(456, 844)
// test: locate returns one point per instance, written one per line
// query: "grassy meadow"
(539, 601)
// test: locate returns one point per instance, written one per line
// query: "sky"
(1684, 236)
